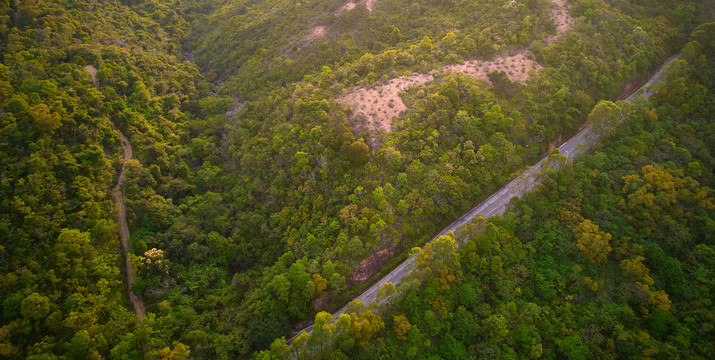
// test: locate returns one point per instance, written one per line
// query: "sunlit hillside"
(196, 179)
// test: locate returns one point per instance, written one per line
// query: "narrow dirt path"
(137, 301)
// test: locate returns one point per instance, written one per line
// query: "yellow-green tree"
(385, 293)
(402, 326)
(320, 283)
(322, 334)
(440, 258)
(663, 192)
(343, 334)
(365, 326)
(45, 118)
(592, 242)
(636, 270)
(179, 352)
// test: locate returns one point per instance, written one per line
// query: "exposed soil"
(379, 104)
(374, 107)
(554, 143)
(137, 301)
(318, 31)
(370, 266)
(516, 67)
(632, 86)
(92, 72)
(348, 6)
(369, 4)
(561, 18)
(320, 302)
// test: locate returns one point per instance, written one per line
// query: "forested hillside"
(611, 257)
(257, 196)
(72, 72)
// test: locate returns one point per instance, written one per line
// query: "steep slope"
(586, 266)
(496, 203)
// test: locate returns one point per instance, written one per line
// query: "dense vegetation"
(62, 290)
(256, 42)
(611, 257)
(249, 204)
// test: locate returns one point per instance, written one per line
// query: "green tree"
(358, 153)
(604, 118)
(439, 258)
(395, 35)
(402, 326)
(322, 334)
(45, 118)
(35, 306)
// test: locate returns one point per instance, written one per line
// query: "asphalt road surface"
(496, 203)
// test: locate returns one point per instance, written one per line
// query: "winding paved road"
(496, 203)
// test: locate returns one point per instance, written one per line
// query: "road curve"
(496, 203)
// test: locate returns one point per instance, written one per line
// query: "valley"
(193, 179)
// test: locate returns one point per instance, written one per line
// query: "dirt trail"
(137, 301)
(374, 107)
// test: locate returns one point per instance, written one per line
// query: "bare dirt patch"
(369, 4)
(561, 18)
(379, 104)
(517, 67)
(318, 31)
(348, 6)
(370, 266)
(92, 72)
(374, 107)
